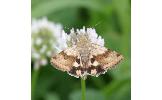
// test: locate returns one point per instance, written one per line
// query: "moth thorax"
(84, 57)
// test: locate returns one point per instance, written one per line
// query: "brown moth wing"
(65, 59)
(109, 59)
(104, 58)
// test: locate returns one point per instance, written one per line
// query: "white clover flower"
(46, 38)
(62, 42)
(90, 32)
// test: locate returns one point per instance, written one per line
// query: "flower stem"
(83, 86)
(34, 81)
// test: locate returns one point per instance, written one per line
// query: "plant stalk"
(34, 81)
(83, 86)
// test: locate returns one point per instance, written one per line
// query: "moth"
(85, 58)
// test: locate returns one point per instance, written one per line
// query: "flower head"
(47, 37)
(90, 34)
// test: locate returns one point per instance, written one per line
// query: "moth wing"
(103, 58)
(65, 59)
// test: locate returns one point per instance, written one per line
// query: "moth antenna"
(99, 22)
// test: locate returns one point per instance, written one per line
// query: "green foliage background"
(111, 19)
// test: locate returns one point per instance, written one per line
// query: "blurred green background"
(111, 19)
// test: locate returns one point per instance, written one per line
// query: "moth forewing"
(62, 61)
(109, 59)
(103, 59)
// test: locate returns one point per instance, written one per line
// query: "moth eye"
(92, 60)
(78, 61)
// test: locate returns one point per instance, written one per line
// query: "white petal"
(49, 53)
(43, 62)
(35, 55)
(92, 36)
(72, 30)
(43, 49)
(36, 65)
(38, 41)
